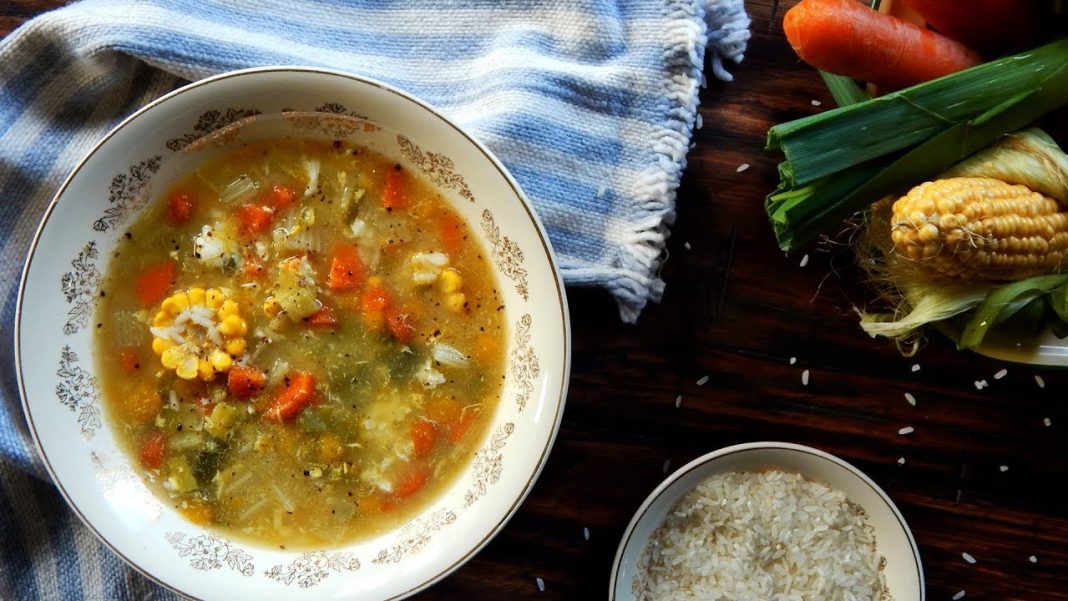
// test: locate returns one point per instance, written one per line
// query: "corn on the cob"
(979, 229)
(198, 332)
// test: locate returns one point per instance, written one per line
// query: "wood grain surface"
(982, 473)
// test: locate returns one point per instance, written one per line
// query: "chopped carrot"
(153, 449)
(245, 381)
(400, 326)
(142, 405)
(451, 230)
(323, 318)
(847, 38)
(410, 481)
(254, 219)
(180, 208)
(282, 197)
(299, 392)
(394, 194)
(254, 267)
(375, 300)
(422, 437)
(129, 361)
(154, 282)
(346, 269)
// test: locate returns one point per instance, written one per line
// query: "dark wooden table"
(983, 474)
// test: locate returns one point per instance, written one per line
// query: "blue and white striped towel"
(589, 103)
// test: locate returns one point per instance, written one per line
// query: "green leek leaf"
(1005, 302)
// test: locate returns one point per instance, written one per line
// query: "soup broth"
(300, 343)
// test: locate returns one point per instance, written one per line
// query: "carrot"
(323, 318)
(400, 326)
(346, 269)
(254, 219)
(375, 300)
(153, 449)
(282, 197)
(989, 25)
(154, 282)
(451, 230)
(422, 437)
(847, 38)
(180, 208)
(410, 481)
(394, 194)
(245, 381)
(254, 267)
(141, 405)
(299, 392)
(129, 362)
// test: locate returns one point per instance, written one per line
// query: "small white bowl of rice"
(767, 520)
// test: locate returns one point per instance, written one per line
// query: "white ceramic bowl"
(55, 323)
(903, 572)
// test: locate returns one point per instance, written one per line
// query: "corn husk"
(1029, 158)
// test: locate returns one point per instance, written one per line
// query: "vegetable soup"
(300, 343)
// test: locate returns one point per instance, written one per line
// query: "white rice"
(761, 535)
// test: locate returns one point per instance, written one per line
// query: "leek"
(838, 162)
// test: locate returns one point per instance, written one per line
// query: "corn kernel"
(220, 361)
(228, 308)
(232, 326)
(204, 369)
(272, 307)
(159, 345)
(196, 296)
(171, 357)
(236, 346)
(188, 367)
(176, 303)
(455, 302)
(214, 298)
(162, 319)
(450, 281)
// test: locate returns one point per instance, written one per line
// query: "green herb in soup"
(300, 343)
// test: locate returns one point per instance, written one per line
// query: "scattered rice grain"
(901, 461)
(1038, 380)
(742, 167)
(958, 596)
(686, 245)
(906, 430)
(1047, 422)
(793, 360)
(586, 533)
(541, 584)
(804, 260)
(968, 557)
(1003, 468)
(699, 122)
(1001, 374)
(816, 103)
(804, 378)
(667, 466)
(915, 367)
(678, 401)
(702, 380)
(911, 399)
(1032, 559)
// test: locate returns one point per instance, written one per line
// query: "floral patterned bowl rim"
(62, 279)
(901, 568)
